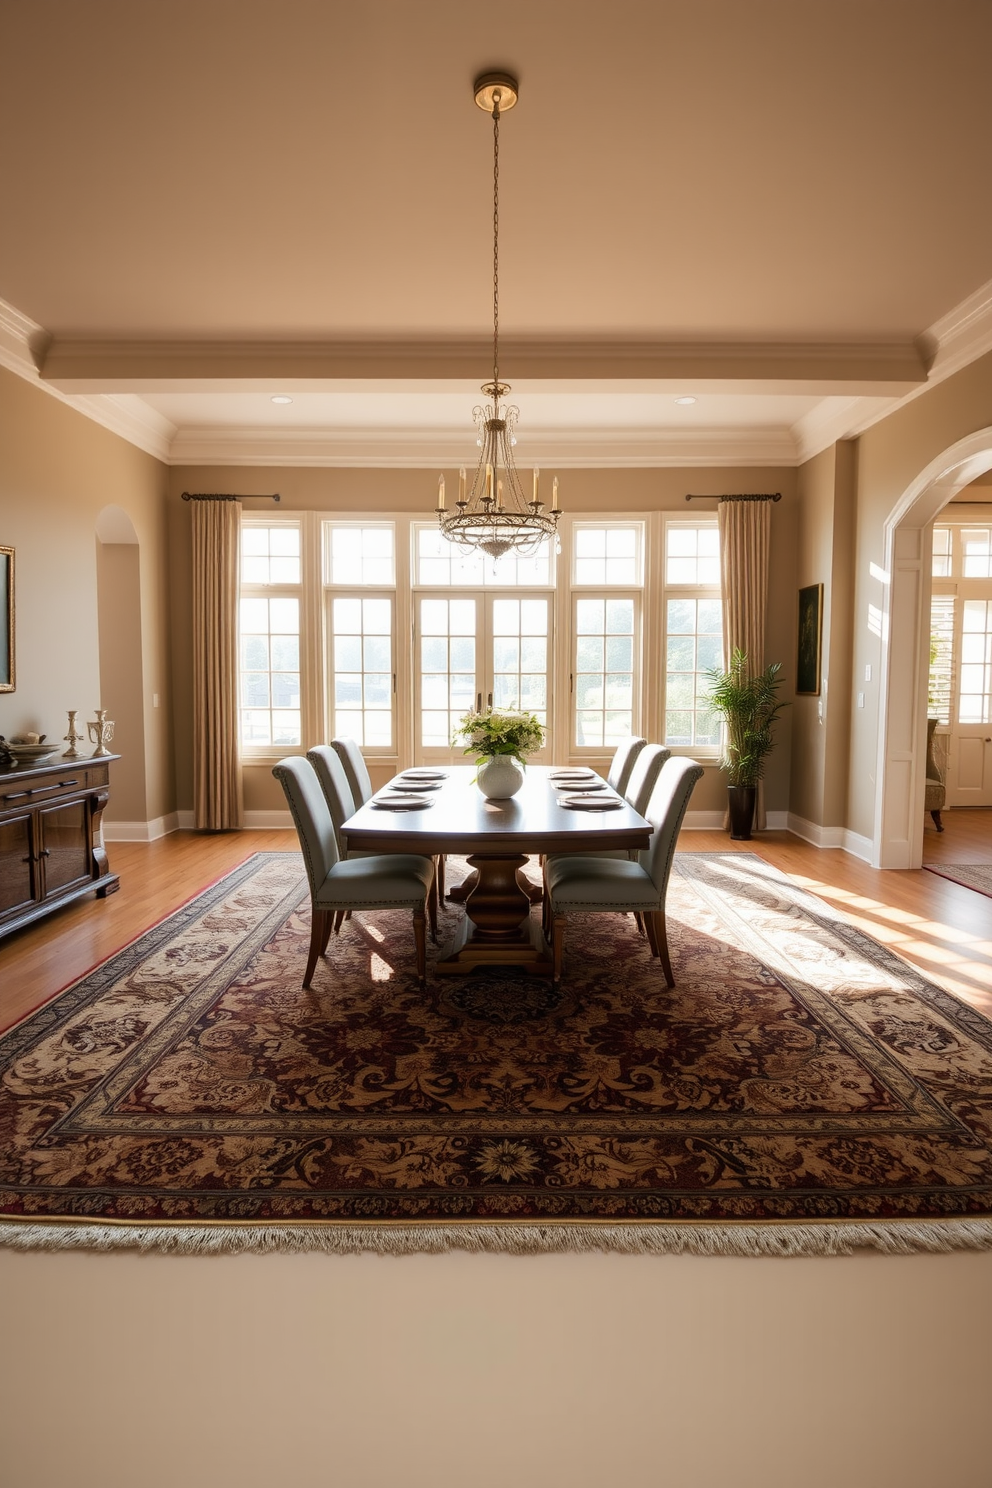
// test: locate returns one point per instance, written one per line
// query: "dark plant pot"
(741, 799)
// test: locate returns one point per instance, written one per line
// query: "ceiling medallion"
(495, 516)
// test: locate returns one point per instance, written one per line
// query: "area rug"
(977, 876)
(801, 1090)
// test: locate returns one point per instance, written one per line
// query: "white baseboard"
(258, 821)
(830, 837)
(141, 831)
(712, 821)
(268, 821)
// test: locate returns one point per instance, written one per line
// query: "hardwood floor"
(939, 926)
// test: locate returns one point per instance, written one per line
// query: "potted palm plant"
(749, 707)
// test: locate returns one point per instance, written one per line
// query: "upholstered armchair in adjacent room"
(935, 792)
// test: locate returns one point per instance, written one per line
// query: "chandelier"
(496, 516)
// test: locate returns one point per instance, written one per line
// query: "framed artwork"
(808, 648)
(6, 619)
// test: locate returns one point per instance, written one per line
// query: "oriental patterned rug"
(977, 876)
(801, 1090)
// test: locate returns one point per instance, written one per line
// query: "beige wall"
(821, 725)
(369, 491)
(118, 573)
(569, 1371)
(58, 470)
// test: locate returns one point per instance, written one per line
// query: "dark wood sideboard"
(50, 852)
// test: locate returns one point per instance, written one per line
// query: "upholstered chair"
(385, 881)
(589, 884)
(643, 776)
(936, 791)
(355, 768)
(623, 763)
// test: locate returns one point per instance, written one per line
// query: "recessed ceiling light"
(685, 401)
(281, 398)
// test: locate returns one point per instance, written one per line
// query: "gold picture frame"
(7, 673)
(809, 641)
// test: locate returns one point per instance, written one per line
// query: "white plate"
(580, 785)
(590, 803)
(423, 775)
(579, 773)
(402, 803)
(415, 785)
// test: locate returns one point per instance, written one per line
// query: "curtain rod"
(248, 496)
(773, 496)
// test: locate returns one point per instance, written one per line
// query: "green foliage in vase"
(749, 707)
(491, 732)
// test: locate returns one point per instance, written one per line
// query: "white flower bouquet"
(493, 733)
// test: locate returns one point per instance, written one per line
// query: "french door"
(478, 650)
(969, 776)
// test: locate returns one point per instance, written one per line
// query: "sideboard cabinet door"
(65, 849)
(17, 865)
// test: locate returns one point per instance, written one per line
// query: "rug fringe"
(828, 1239)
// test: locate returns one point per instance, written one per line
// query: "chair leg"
(639, 922)
(650, 932)
(325, 934)
(432, 898)
(319, 922)
(557, 942)
(439, 870)
(420, 939)
(338, 921)
(661, 936)
(937, 821)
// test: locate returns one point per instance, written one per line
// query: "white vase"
(499, 777)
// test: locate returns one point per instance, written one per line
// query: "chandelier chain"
(496, 99)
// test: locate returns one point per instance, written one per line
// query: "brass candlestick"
(101, 731)
(73, 737)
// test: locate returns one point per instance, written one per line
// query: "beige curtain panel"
(745, 533)
(218, 803)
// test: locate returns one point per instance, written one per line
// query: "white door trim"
(897, 838)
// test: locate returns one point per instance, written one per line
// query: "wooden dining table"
(497, 837)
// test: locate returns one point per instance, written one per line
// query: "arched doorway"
(901, 764)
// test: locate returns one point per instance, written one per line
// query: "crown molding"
(93, 366)
(959, 337)
(23, 344)
(834, 419)
(433, 448)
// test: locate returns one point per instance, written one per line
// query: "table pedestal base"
(497, 930)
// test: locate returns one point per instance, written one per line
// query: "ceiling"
(780, 208)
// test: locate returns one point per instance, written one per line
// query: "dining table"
(549, 814)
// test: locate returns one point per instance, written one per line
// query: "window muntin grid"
(447, 660)
(270, 554)
(942, 552)
(269, 645)
(692, 555)
(361, 669)
(608, 554)
(520, 629)
(975, 672)
(606, 630)
(976, 552)
(359, 554)
(438, 563)
(693, 624)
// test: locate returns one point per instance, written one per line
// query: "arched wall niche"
(118, 573)
(901, 765)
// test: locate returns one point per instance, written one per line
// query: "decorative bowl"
(32, 753)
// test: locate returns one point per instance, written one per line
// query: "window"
(606, 557)
(269, 635)
(693, 620)
(439, 564)
(380, 629)
(361, 684)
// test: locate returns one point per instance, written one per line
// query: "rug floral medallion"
(798, 1072)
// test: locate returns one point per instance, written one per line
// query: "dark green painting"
(808, 652)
